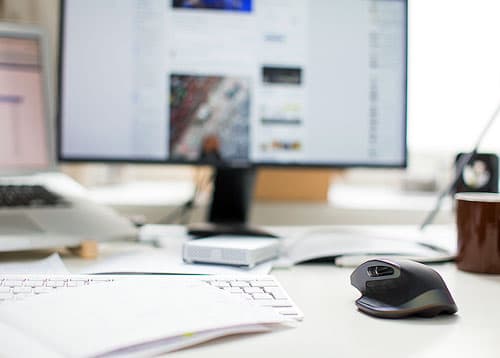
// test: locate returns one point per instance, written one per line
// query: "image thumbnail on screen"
(228, 5)
(209, 118)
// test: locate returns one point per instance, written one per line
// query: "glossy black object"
(397, 289)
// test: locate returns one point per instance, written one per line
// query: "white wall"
(454, 77)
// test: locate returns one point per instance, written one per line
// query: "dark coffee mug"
(478, 230)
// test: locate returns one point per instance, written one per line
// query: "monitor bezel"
(236, 164)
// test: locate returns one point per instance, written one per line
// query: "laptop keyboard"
(263, 290)
(28, 196)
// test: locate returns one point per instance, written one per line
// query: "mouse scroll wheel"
(378, 271)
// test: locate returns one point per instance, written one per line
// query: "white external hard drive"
(231, 250)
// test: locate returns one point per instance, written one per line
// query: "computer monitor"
(235, 84)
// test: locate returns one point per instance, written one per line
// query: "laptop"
(39, 206)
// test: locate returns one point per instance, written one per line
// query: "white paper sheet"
(364, 242)
(16, 344)
(49, 265)
(176, 343)
(137, 311)
(164, 261)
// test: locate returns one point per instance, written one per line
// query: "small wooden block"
(88, 249)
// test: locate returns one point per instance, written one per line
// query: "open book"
(134, 317)
(352, 245)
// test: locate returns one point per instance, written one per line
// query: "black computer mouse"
(396, 289)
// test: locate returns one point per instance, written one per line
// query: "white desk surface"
(332, 326)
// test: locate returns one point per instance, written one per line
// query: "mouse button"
(358, 278)
(380, 271)
(422, 273)
(424, 280)
(372, 302)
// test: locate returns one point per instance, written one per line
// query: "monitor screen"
(278, 82)
(23, 122)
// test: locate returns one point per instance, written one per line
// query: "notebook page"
(96, 319)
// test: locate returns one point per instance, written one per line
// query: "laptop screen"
(23, 126)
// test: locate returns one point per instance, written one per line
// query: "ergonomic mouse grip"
(394, 289)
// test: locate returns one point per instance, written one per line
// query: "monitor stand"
(231, 199)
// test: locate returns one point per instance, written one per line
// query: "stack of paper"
(136, 316)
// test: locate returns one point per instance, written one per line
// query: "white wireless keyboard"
(263, 290)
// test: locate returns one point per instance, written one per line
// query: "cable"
(183, 212)
(201, 184)
(462, 162)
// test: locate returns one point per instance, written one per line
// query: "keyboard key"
(288, 312)
(240, 284)
(101, 280)
(21, 290)
(5, 289)
(276, 292)
(253, 290)
(55, 283)
(40, 290)
(77, 283)
(11, 283)
(220, 284)
(262, 296)
(276, 303)
(32, 283)
(233, 289)
(266, 283)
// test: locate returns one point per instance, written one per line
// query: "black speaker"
(479, 175)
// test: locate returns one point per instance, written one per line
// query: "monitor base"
(201, 230)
